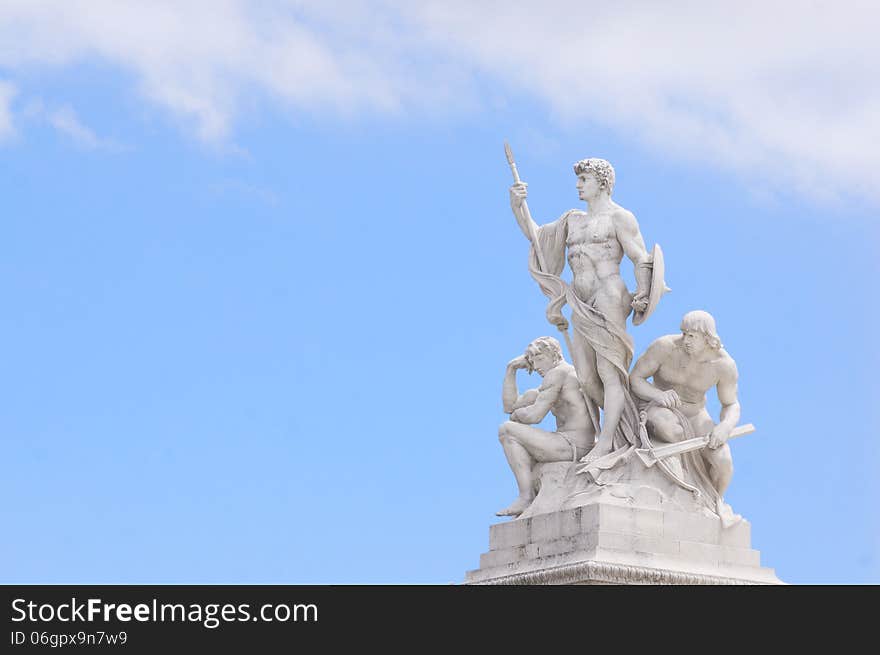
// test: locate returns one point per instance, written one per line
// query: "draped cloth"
(609, 340)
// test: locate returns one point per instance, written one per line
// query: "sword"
(651, 456)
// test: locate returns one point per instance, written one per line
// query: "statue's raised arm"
(520, 208)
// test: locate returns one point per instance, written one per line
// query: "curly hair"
(546, 345)
(602, 170)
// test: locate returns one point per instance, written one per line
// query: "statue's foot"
(516, 508)
(726, 514)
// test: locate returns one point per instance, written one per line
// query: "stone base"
(606, 543)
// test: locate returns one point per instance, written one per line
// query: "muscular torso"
(594, 255)
(689, 378)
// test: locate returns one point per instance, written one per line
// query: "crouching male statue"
(684, 367)
(560, 394)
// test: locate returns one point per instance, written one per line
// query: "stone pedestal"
(620, 543)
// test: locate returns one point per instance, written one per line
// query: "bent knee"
(502, 430)
(506, 430)
(666, 429)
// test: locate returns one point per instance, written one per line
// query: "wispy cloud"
(66, 122)
(783, 92)
(7, 92)
(204, 59)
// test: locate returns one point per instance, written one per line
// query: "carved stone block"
(620, 543)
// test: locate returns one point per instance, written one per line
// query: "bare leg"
(720, 465)
(664, 426)
(584, 359)
(614, 402)
(521, 464)
(523, 446)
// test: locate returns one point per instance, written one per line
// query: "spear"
(526, 224)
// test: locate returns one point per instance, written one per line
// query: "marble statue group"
(628, 430)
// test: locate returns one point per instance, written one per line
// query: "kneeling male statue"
(684, 367)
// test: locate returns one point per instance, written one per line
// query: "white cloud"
(7, 92)
(205, 59)
(786, 92)
(67, 122)
(779, 89)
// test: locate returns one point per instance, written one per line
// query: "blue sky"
(261, 277)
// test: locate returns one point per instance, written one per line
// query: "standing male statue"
(559, 394)
(594, 242)
(684, 367)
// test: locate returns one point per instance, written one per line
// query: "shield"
(658, 286)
